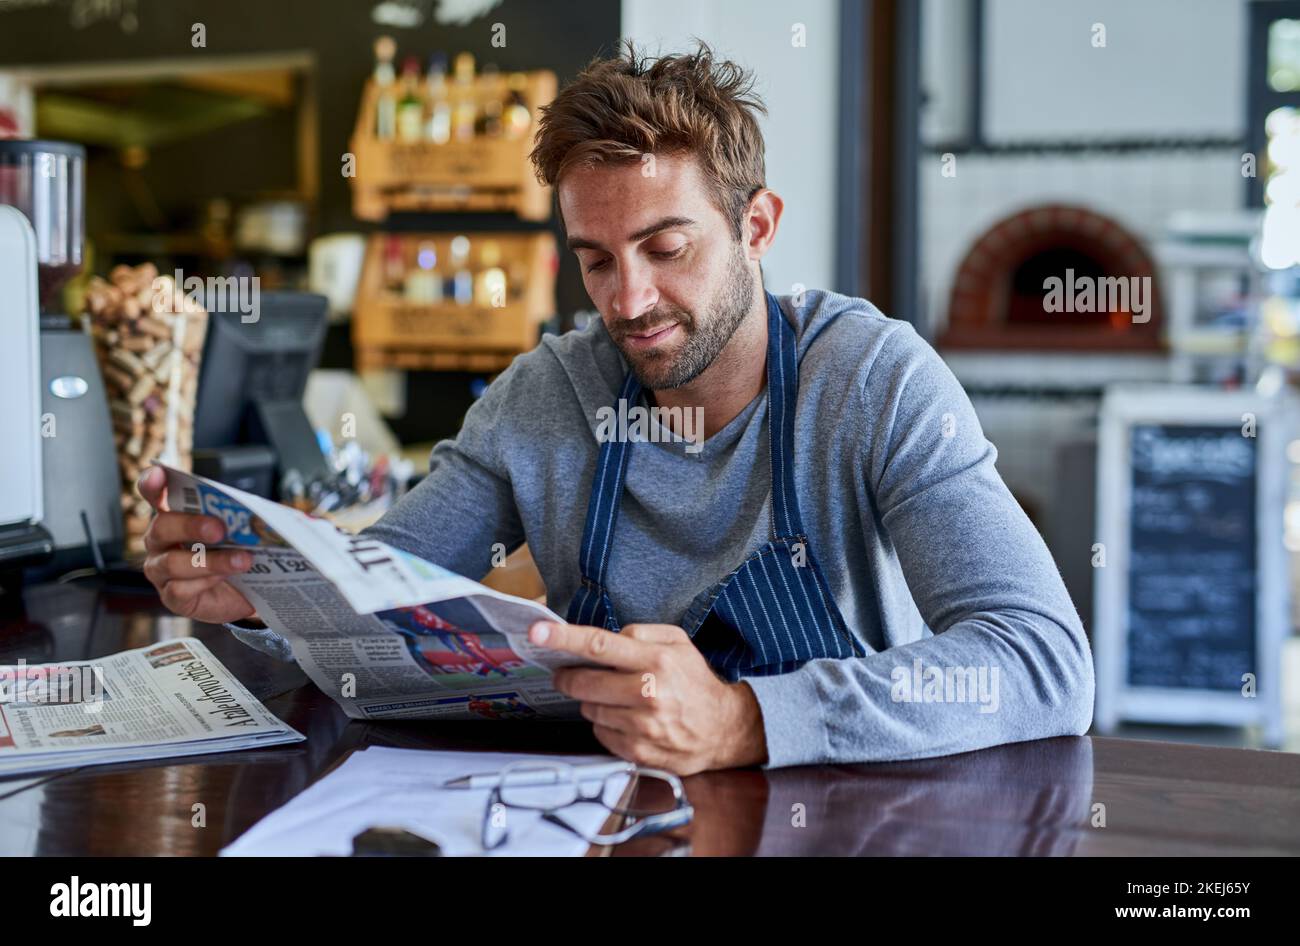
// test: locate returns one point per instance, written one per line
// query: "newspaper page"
(386, 634)
(172, 698)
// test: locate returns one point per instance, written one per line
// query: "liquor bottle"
(427, 260)
(464, 108)
(410, 110)
(462, 280)
(394, 266)
(386, 104)
(517, 117)
(490, 284)
(411, 290)
(516, 276)
(423, 285)
(438, 124)
(491, 123)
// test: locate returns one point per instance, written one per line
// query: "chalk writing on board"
(1210, 453)
(1192, 568)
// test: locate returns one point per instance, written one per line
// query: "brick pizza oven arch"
(982, 293)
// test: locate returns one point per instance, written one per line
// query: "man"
(835, 573)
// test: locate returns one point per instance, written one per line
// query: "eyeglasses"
(549, 788)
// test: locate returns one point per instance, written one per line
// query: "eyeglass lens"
(557, 788)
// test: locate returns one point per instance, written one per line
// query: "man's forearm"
(988, 680)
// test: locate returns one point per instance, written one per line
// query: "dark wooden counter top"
(1036, 798)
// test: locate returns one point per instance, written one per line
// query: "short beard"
(661, 371)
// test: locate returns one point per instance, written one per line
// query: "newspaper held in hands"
(169, 699)
(386, 634)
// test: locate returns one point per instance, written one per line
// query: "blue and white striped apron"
(772, 613)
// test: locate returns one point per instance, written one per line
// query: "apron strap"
(606, 496)
(782, 392)
(611, 466)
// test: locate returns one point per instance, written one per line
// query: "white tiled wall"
(1026, 434)
(798, 81)
(1139, 190)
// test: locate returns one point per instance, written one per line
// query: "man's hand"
(658, 703)
(191, 590)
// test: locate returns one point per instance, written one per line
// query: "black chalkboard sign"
(1192, 557)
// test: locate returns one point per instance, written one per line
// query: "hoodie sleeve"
(1008, 660)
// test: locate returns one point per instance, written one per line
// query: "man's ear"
(762, 217)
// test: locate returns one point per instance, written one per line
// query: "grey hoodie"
(971, 638)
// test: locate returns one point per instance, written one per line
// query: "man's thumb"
(153, 487)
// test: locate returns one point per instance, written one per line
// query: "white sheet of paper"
(402, 788)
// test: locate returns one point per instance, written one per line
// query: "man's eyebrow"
(667, 223)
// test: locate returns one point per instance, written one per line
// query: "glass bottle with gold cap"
(438, 124)
(410, 110)
(385, 81)
(462, 279)
(490, 284)
(491, 122)
(465, 108)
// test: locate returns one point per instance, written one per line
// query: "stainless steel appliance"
(47, 365)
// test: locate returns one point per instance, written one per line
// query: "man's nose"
(635, 293)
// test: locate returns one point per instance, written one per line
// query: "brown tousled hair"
(621, 108)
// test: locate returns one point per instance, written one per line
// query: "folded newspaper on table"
(165, 700)
(386, 634)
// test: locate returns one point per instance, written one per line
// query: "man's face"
(660, 262)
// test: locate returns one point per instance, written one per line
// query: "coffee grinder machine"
(67, 513)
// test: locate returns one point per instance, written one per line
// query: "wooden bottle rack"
(389, 331)
(480, 174)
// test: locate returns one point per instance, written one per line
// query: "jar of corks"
(148, 340)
